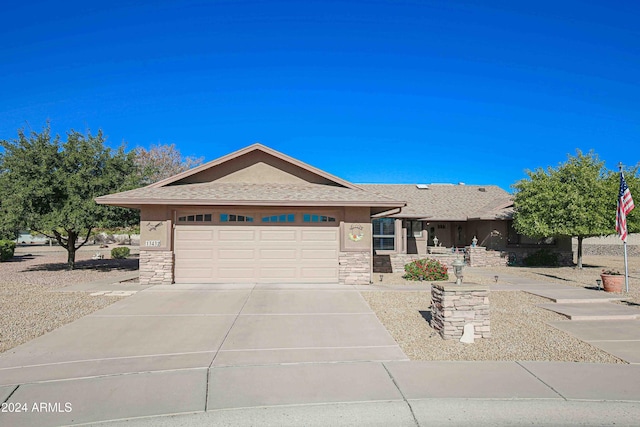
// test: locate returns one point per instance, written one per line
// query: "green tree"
(574, 199)
(49, 185)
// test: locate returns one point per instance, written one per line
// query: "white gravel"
(29, 308)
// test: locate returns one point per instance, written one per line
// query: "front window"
(414, 228)
(384, 231)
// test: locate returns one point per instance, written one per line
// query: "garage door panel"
(195, 234)
(230, 235)
(196, 265)
(320, 265)
(236, 254)
(277, 254)
(198, 254)
(278, 235)
(326, 235)
(319, 254)
(193, 244)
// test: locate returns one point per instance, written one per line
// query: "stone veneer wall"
(355, 268)
(608, 250)
(453, 306)
(479, 256)
(156, 267)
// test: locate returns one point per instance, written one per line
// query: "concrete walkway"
(282, 355)
(595, 317)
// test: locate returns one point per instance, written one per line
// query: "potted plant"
(612, 280)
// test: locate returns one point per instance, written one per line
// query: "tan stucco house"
(259, 216)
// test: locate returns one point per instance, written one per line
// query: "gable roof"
(446, 202)
(257, 147)
(284, 181)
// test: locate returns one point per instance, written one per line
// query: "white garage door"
(260, 254)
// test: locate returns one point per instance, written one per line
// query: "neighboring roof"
(447, 202)
(256, 176)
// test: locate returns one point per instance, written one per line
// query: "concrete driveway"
(158, 346)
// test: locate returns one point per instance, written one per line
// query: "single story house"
(260, 216)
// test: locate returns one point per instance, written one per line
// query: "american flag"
(625, 205)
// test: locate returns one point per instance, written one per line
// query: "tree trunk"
(71, 250)
(580, 252)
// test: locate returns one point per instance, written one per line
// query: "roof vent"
(482, 189)
(422, 186)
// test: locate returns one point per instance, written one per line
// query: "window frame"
(378, 234)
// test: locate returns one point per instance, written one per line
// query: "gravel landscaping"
(518, 327)
(30, 309)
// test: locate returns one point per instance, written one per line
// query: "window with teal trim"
(317, 218)
(235, 218)
(195, 218)
(279, 218)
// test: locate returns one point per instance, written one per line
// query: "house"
(440, 219)
(257, 215)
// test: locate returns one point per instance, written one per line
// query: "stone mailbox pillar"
(453, 306)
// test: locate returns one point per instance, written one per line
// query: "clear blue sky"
(372, 91)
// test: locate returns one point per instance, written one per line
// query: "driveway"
(182, 326)
(180, 332)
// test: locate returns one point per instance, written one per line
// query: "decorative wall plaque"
(356, 236)
(153, 234)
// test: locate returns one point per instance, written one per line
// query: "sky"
(402, 91)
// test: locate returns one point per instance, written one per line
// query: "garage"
(255, 216)
(256, 254)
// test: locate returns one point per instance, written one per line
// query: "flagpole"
(626, 266)
(626, 269)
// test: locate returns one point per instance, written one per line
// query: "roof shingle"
(446, 202)
(212, 193)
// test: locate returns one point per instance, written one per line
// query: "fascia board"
(207, 202)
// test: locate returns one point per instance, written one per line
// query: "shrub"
(6, 249)
(427, 269)
(120, 253)
(541, 258)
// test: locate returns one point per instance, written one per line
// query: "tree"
(49, 185)
(162, 161)
(576, 199)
